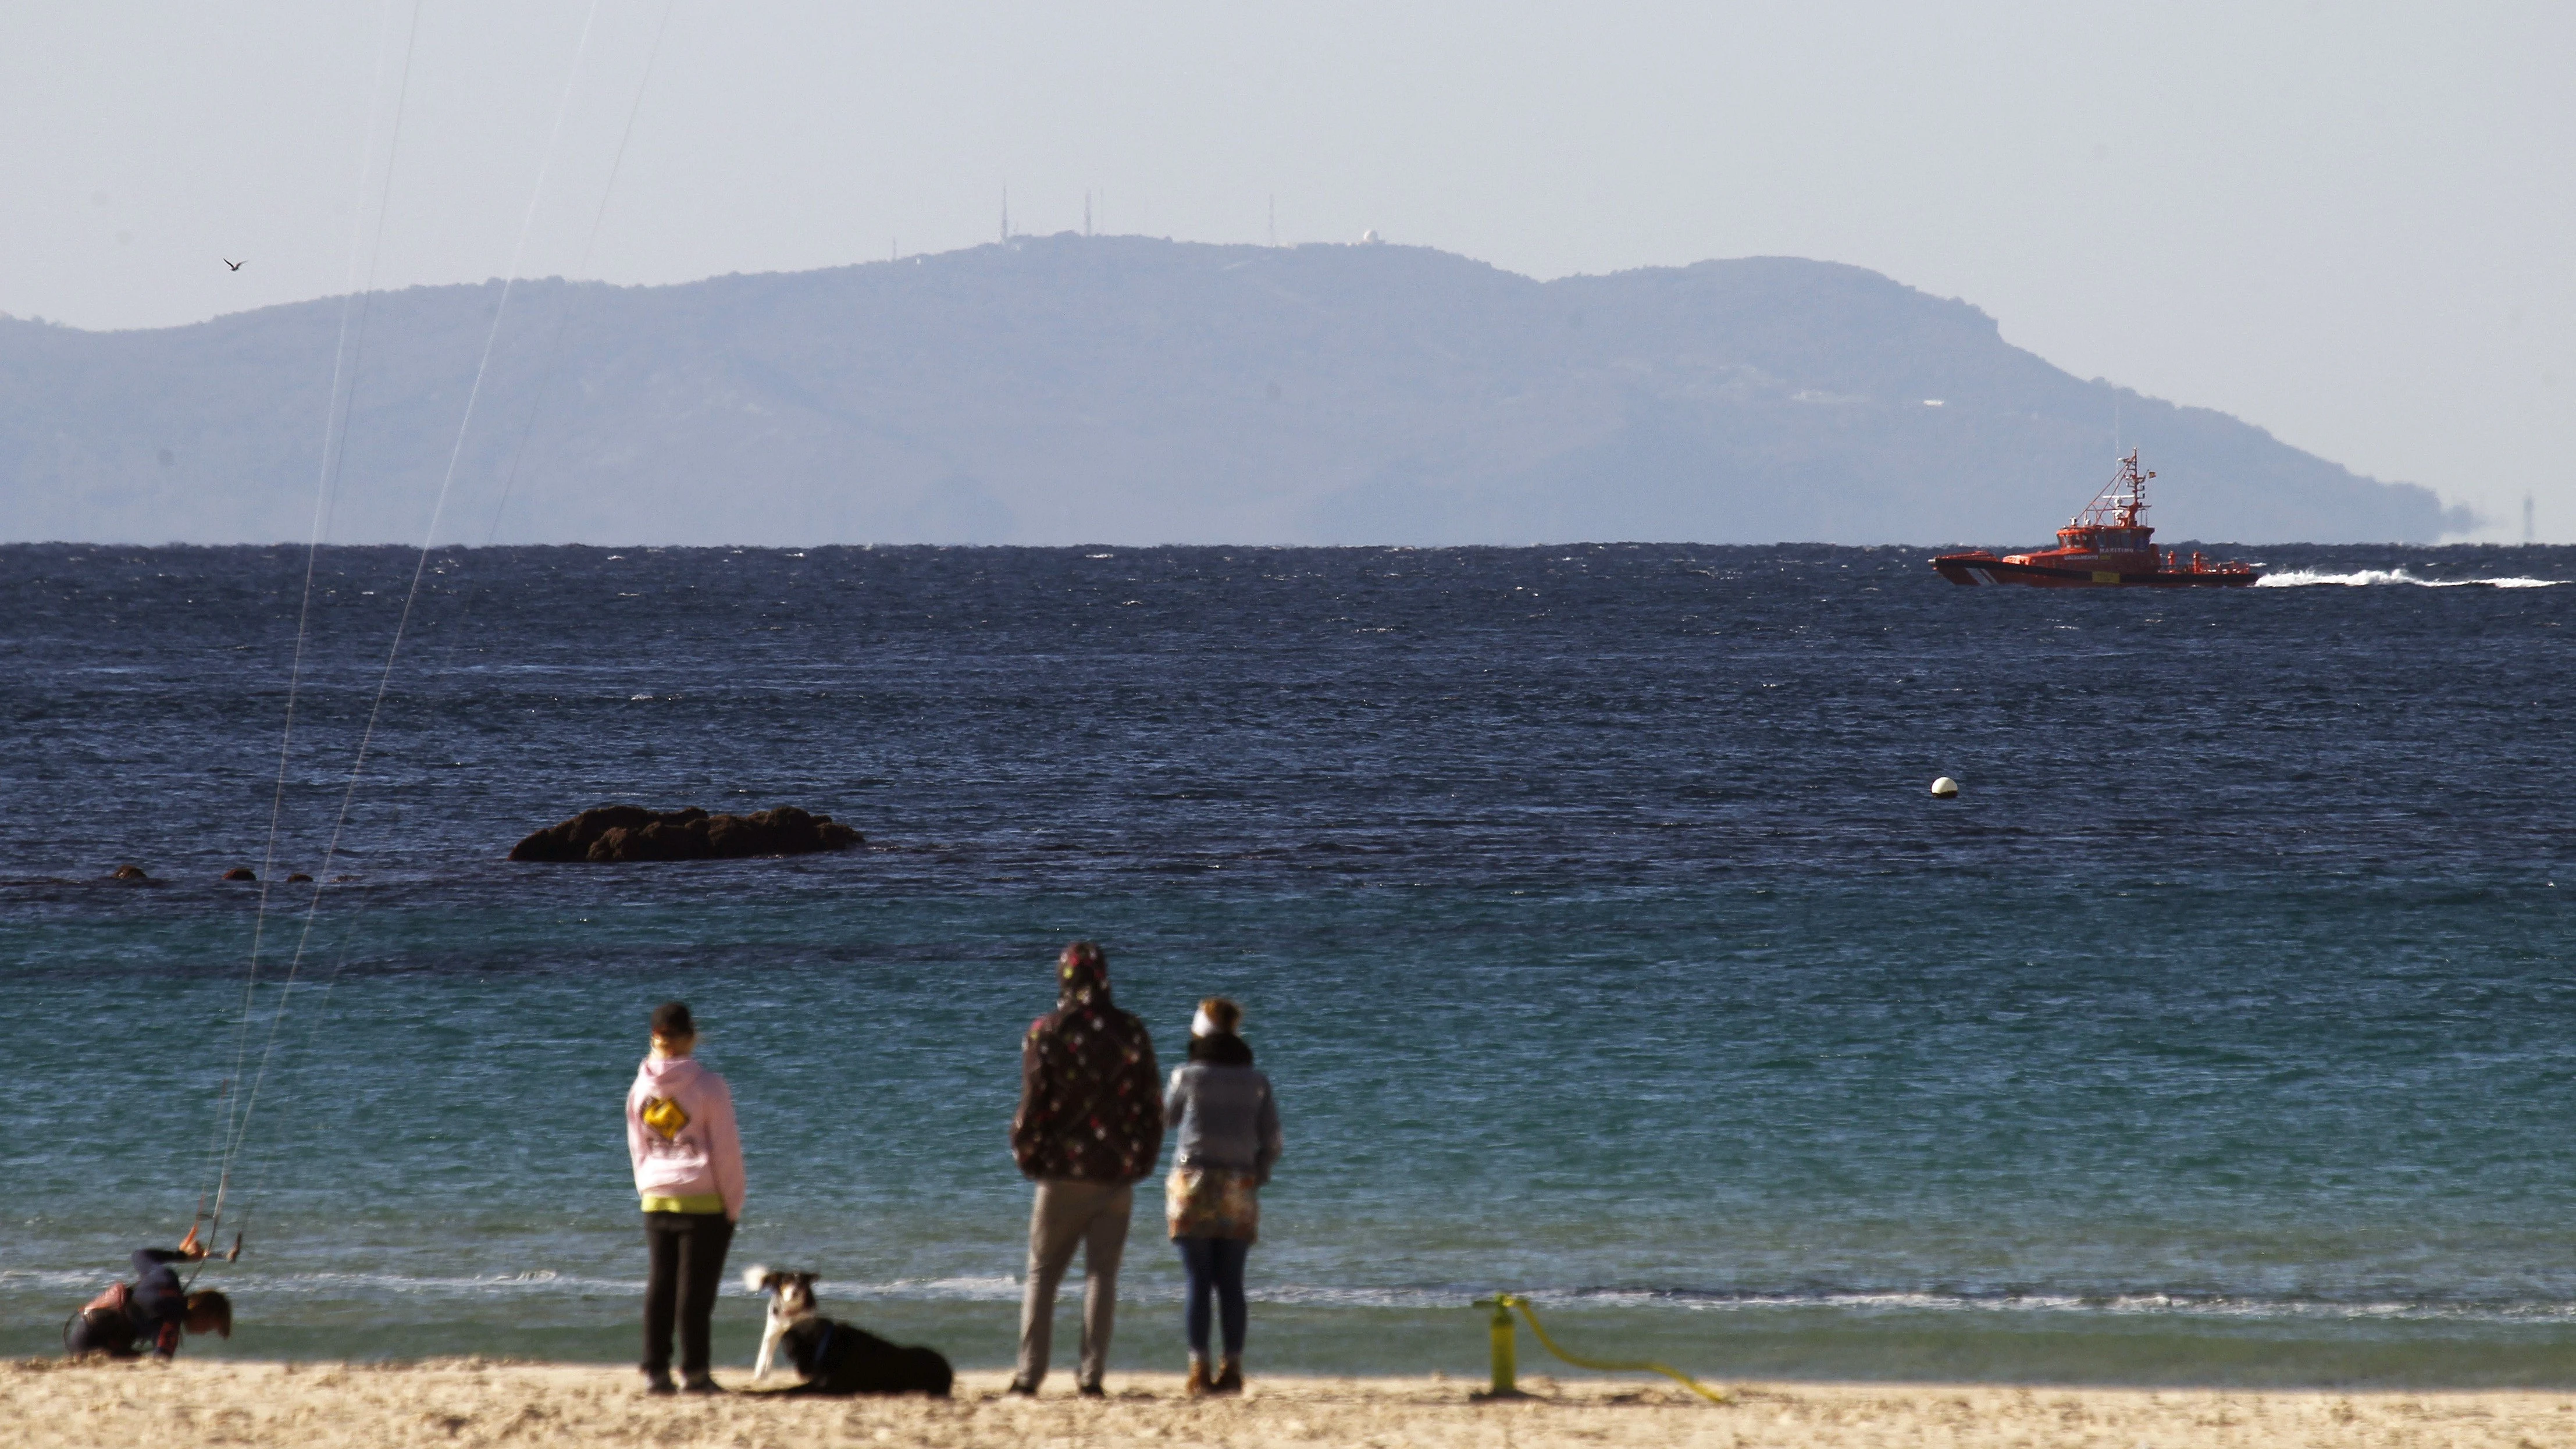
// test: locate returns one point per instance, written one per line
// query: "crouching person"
(150, 1314)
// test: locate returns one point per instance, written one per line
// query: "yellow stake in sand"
(1506, 1354)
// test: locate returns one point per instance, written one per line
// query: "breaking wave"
(2188, 1305)
(2303, 578)
(1003, 1289)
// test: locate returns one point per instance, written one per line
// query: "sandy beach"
(470, 1402)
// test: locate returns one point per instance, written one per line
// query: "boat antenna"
(2122, 503)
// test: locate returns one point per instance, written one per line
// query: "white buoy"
(1945, 788)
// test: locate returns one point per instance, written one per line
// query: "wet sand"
(45, 1403)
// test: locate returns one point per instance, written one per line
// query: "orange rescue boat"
(2106, 546)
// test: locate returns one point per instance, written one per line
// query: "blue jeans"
(1214, 1265)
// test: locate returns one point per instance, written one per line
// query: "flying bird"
(236, 266)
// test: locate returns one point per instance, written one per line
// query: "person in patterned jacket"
(1090, 1125)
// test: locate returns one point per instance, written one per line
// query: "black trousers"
(686, 1255)
(96, 1330)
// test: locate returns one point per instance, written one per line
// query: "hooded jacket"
(1223, 1109)
(680, 1133)
(1091, 1101)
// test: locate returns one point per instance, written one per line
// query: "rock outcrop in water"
(631, 832)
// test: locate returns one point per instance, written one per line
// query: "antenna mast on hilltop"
(1086, 213)
(1006, 213)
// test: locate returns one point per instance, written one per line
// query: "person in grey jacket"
(1226, 1126)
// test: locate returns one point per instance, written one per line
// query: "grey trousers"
(1093, 1217)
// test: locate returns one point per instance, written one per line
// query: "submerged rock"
(631, 832)
(241, 872)
(130, 872)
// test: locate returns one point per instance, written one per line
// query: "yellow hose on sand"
(1504, 1387)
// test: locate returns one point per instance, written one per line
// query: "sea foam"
(2303, 578)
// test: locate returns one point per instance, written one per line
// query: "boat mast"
(2122, 503)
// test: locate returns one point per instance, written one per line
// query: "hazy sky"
(2353, 225)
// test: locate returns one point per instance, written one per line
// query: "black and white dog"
(791, 1297)
(837, 1358)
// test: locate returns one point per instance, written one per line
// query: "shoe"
(702, 1385)
(1092, 1391)
(1023, 1388)
(1229, 1377)
(659, 1384)
(1197, 1386)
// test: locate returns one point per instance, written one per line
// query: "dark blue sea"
(1589, 905)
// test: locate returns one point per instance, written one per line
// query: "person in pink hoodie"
(688, 1169)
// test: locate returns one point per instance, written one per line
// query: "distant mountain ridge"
(1072, 389)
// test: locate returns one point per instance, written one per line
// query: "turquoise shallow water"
(1607, 950)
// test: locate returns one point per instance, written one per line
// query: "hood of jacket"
(666, 1075)
(1081, 983)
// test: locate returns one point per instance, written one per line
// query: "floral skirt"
(1212, 1202)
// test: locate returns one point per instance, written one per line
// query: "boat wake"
(2303, 578)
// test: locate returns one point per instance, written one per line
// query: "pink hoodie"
(700, 1153)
